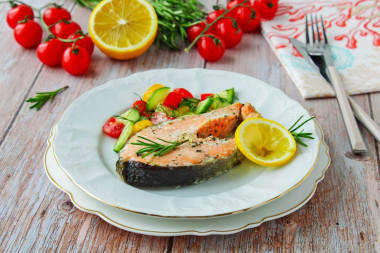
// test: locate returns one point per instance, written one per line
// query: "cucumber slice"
(123, 136)
(227, 95)
(220, 103)
(204, 105)
(131, 114)
(130, 117)
(158, 97)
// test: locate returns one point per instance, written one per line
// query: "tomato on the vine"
(85, 42)
(140, 105)
(185, 93)
(194, 30)
(229, 31)
(76, 60)
(233, 3)
(267, 8)
(214, 15)
(54, 14)
(247, 18)
(65, 29)
(18, 13)
(28, 34)
(113, 128)
(211, 47)
(50, 52)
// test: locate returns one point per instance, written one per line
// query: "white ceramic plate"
(174, 227)
(87, 157)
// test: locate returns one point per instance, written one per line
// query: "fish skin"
(210, 150)
(145, 175)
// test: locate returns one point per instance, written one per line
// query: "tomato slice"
(158, 117)
(140, 105)
(113, 128)
(185, 93)
(206, 95)
(173, 100)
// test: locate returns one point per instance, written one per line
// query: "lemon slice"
(265, 142)
(123, 29)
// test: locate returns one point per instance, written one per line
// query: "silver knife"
(359, 113)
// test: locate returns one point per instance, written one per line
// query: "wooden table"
(35, 216)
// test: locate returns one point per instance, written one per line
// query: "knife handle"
(365, 119)
(354, 135)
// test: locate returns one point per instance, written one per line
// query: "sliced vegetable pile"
(160, 104)
(65, 44)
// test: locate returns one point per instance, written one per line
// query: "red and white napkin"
(353, 31)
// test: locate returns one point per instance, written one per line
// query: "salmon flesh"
(210, 149)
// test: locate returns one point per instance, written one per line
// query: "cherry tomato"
(65, 29)
(267, 8)
(54, 14)
(206, 95)
(213, 15)
(113, 128)
(86, 42)
(229, 31)
(185, 93)
(145, 114)
(173, 100)
(195, 30)
(211, 47)
(50, 52)
(158, 117)
(140, 105)
(28, 34)
(247, 18)
(76, 61)
(233, 3)
(18, 13)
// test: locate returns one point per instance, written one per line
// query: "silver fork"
(319, 47)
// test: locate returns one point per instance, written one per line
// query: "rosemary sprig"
(298, 135)
(174, 17)
(157, 149)
(43, 97)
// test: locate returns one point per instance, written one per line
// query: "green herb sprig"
(298, 135)
(174, 17)
(157, 149)
(43, 97)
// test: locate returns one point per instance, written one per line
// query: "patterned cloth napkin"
(353, 31)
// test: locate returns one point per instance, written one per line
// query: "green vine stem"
(211, 24)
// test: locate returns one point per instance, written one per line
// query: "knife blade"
(301, 48)
(318, 64)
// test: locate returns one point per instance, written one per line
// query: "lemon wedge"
(265, 142)
(123, 29)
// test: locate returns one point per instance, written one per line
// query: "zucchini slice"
(204, 105)
(158, 97)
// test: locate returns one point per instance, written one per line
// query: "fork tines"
(315, 28)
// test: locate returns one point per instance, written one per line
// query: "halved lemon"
(123, 29)
(265, 142)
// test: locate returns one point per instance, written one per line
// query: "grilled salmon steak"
(210, 149)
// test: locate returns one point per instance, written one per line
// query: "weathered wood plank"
(35, 216)
(15, 82)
